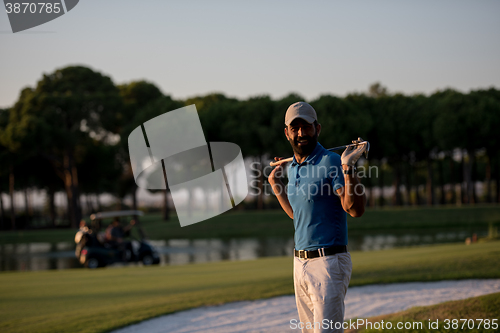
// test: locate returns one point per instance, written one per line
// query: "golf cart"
(94, 249)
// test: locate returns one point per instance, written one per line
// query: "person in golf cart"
(115, 234)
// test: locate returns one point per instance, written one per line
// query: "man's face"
(302, 136)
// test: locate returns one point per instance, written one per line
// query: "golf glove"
(352, 154)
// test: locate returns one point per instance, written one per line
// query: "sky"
(249, 48)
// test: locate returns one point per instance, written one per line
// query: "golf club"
(274, 163)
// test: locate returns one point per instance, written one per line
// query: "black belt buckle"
(304, 254)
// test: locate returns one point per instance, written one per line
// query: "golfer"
(322, 187)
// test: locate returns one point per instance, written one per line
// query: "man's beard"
(307, 149)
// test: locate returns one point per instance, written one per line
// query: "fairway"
(79, 300)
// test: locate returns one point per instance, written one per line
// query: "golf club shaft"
(274, 163)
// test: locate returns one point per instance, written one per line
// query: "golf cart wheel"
(147, 260)
(92, 263)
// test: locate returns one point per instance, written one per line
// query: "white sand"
(274, 315)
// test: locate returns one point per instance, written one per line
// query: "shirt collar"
(312, 158)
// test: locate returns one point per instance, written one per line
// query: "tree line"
(69, 133)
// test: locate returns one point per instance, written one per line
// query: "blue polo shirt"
(318, 216)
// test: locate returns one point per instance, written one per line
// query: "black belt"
(325, 251)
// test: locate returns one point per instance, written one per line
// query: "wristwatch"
(351, 171)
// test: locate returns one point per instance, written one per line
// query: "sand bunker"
(274, 315)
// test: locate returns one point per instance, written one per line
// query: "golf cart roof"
(117, 213)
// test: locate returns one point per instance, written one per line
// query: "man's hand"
(277, 172)
(279, 188)
(352, 154)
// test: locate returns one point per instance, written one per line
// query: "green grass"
(259, 224)
(96, 301)
(429, 263)
(482, 307)
(78, 300)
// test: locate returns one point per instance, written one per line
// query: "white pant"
(320, 287)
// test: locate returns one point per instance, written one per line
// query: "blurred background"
(418, 80)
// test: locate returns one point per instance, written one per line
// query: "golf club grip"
(281, 161)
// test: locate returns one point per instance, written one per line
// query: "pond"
(44, 256)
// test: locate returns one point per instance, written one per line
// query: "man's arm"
(352, 195)
(129, 227)
(109, 237)
(279, 188)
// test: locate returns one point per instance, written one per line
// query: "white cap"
(301, 110)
